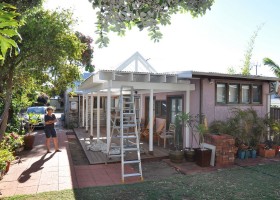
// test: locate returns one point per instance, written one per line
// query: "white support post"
(187, 110)
(83, 112)
(98, 116)
(140, 107)
(108, 115)
(86, 112)
(91, 115)
(151, 122)
(79, 111)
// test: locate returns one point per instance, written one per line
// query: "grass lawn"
(258, 182)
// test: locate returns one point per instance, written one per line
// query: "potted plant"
(29, 137)
(176, 154)
(191, 122)
(203, 155)
(6, 157)
(11, 141)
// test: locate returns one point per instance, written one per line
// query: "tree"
(273, 66)
(231, 70)
(87, 55)
(24, 6)
(245, 70)
(8, 30)
(50, 51)
(117, 16)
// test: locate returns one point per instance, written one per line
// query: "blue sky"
(210, 43)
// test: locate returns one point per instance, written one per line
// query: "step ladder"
(125, 127)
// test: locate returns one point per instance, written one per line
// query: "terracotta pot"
(2, 173)
(276, 148)
(8, 164)
(28, 141)
(267, 153)
(176, 156)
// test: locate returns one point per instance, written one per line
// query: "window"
(160, 108)
(176, 107)
(221, 93)
(235, 93)
(245, 94)
(257, 94)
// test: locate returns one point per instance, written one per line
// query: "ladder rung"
(118, 127)
(114, 155)
(129, 125)
(131, 161)
(129, 136)
(128, 102)
(133, 174)
(125, 136)
(118, 117)
(130, 149)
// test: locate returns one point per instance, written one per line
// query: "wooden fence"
(275, 113)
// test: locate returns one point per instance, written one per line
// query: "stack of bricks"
(225, 147)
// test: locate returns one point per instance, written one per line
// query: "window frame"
(239, 93)
(159, 113)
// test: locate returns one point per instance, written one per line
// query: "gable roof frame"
(136, 57)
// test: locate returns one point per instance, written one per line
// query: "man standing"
(50, 119)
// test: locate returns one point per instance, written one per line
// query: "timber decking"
(100, 158)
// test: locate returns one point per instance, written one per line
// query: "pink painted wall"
(221, 112)
(208, 105)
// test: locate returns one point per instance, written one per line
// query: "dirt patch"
(156, 170)
(77, 153)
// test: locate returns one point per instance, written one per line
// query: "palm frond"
(273, 66)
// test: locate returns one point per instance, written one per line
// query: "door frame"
(168, 106)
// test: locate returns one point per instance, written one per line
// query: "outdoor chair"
(145, 131)
(158, 130)
(167, 134)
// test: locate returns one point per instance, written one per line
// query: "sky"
(210, 43)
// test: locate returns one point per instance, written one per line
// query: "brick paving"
(40, 172)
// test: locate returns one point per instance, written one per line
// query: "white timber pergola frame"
(108, 83)
(137, 59)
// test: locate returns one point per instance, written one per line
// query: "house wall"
(221, 112)
(71, 115)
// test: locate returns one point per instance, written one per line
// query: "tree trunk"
(8, 100)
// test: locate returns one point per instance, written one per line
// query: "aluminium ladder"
(126, 128)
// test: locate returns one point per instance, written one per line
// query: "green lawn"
(258, 182)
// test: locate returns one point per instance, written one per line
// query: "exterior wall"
(195, 98)
(221, 112)
(56, 103)
(71, 115)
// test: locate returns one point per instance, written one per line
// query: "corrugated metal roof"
(163, 73)
(223, 75)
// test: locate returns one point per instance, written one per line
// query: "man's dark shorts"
(50, 132)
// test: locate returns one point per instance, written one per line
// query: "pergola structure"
(108, 83)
